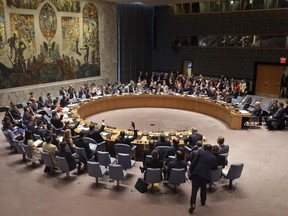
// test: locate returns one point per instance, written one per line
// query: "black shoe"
(191, 209)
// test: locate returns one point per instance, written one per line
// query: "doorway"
(187, 66)
(268, 79)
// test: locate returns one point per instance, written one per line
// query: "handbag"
(141, 185)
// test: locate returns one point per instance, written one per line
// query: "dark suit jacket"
(221, 161)
(278, 116)
(172, 151)
(223, 149)
(81, 143)
(15, 113)
(178, 164)
(57, 122)
(70, 159)
(165, 143)
(127, 140)
(154, 163)
(193, 138)
(202, 165)
(40, 131)
(95, 134)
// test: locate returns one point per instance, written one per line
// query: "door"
(268, 80)
(187, 67)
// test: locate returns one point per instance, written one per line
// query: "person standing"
(200, 171)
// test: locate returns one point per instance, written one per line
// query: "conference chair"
(147, 159)
(27, 151)
(152, 176)
(125, 161)
(99, 146)
(169, 159)
(104, 158)
(126, 149)
(163, 150)
(9, 139)
(18, 147)
(46, 157)
(96, 170)
(81, 152)
(215, 176)
(63, 164)
(58, 131)
(177, 176)
(117, 173)
(234, 172)
(37, 137)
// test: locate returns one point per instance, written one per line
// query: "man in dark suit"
(193, 138)
(72, 162)
(56, 121)
(221, 160)
(200, 170)
(223, 149)
(197, 147)
(126, 140)
(276, 119)
(14, 111)
(176, 147)
(39, 130)
(95, 134)
(162, 141)
(148, 151)
(178, 163)
(153, 163)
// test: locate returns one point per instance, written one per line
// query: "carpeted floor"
(261, 190)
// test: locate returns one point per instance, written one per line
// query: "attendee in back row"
(223, 149)
(95, 134)
(275, 121)
(192, 139)
(162, 141)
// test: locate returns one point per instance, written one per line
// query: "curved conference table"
(205, 106)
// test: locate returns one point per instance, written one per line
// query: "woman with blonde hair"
(68, 139)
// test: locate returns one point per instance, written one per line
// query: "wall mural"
(57, 53)
(67, 5)
(24, 4)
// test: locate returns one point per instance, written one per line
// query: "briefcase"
(141, 185)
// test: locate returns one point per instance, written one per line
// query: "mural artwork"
(52, 55)
(24, 4)
(67, 5)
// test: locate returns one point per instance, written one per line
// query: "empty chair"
(215, 176)
(153, 175)
(100, 146)
(125, 161)
(46, 157)
(234, 172)
(18, 147)
(96, 170)
(104, 158)
(117, 173)
(177, 176)
(239, 99)
(126, 149)
(63, 164)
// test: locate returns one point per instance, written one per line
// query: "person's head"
(63, 146)
(175, 142)
(151, 144)
(162, 137)
(122, 133)
(49, 127)
(54, 114)
(92, 127)
(7, 108)
(67, 133)
(179, 155)
(155, 154)
(207, 147)
(82, 134)
(194, 130)
(199, 144)
(48, 139)
(12, 104)
(48, 95)
(281, 104)
(30, 142)
(274, 101)
(257, 104)
(215, 149)
(220, 140)
(39, 123)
